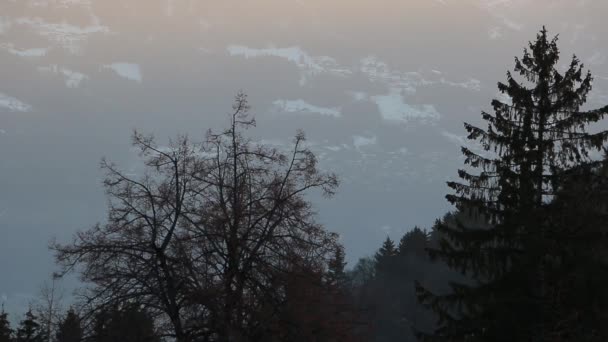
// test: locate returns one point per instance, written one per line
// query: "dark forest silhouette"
(216, 241)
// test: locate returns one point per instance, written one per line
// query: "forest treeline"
(216, 241)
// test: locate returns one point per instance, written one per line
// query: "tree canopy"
(530, 143)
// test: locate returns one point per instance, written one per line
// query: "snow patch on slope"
(334, 148)
(501, 9)
(35, 52)
(379, 71)
(129, 71)
(59, 3)
(472, 84)
(72, 78)
(393, 108)
(361, 141)
(375, 69)
(13, 104)
(309, 65)
(358, 95)
(69, 36)
(301, 106)
(67, 3)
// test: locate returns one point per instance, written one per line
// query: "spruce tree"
(129, 323)
(529, 144)
(29, 329)
(384, 256)
(6, 333)
(70, 329)
(335, 273)
(580, 212)
(414, 243)
(101, 327)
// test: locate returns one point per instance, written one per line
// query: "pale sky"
(381, 88)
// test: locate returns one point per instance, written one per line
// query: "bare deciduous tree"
(203, 236)
(48, 306)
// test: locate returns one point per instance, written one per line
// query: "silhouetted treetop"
(535, 135)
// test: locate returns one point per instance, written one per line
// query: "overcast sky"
(381, 88)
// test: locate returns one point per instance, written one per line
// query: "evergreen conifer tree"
(6, 333)
(580, 215)
(124, 324)
(335, 273)
(29, 329)
(70, 329)
(384, 256)
(529, 144)
(414, 242)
